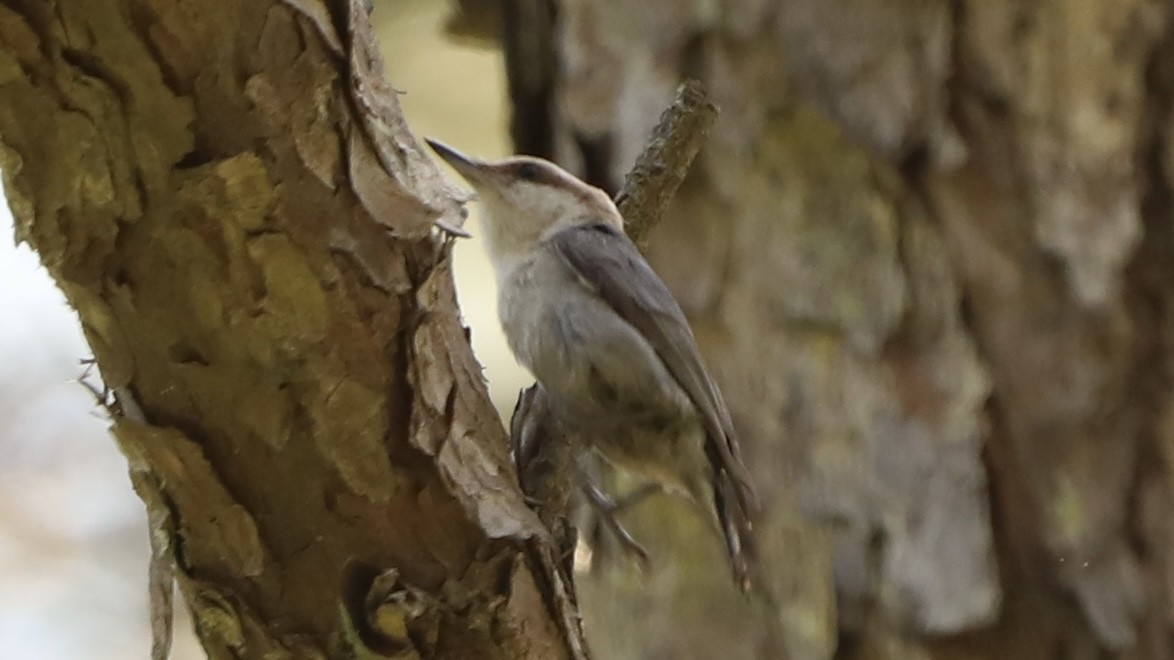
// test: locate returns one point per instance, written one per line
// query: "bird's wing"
(611, 266)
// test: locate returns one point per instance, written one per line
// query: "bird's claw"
(607, 508)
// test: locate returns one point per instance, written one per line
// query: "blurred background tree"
(927, 251)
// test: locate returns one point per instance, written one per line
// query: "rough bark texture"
(227, 193)
(927, 252)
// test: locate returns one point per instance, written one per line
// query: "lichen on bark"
(228, 195)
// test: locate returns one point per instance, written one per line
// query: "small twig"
(663, 164)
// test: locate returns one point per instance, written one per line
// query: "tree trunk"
(226, 192)
(927, 251)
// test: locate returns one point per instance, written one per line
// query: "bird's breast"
(596, 363)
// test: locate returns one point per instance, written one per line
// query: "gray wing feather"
(609, 263)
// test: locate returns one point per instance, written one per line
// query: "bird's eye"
(529, 172)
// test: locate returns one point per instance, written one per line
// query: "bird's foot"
(608, 510)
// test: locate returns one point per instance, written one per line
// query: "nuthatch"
(586, 314)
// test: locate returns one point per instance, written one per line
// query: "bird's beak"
(476, 172)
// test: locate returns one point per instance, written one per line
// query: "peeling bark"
(228, 195)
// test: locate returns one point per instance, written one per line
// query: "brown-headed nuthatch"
(585, 313)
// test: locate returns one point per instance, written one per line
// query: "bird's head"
(526, 199)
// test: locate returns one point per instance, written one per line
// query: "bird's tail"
(735, 511)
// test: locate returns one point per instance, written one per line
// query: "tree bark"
(927, 252)
(228, 195)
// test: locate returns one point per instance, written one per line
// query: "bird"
(606, 340)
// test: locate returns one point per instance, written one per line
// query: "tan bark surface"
(227, 193)
(926, 250)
